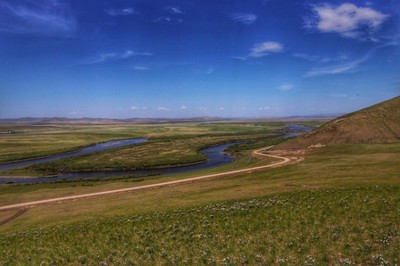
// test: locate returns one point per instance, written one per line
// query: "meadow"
(339, 206)
(327, 226)
(30, 141)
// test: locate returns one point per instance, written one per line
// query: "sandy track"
(257, 153)
(14, 216)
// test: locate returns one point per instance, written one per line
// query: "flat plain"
(339, 205)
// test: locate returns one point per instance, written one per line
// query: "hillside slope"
(379, 123)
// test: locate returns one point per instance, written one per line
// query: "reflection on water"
(295, 130)
(91, 149)
(215, 157)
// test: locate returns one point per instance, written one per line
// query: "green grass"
(156, 153)
(339, 206)
(323, 227)
(37, 141)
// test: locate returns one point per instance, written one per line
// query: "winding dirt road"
(257, 153)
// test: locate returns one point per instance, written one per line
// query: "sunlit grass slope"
(379, 123)
(327, 226)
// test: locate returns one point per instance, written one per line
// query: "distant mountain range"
(87, 120)
(379, 123)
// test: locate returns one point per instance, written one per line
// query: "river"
(215, 157)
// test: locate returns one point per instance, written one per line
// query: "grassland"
(375, 124)
(157, 153)
(339, 206)
(29, 141)
(328, 226)
(169, 145)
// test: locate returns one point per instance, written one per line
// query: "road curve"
(257, 153)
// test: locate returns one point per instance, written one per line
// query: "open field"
(314, 227)
(156, 153)
(29, 141)
(337, 206)
(260, 153)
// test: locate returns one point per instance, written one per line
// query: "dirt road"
(257, 153)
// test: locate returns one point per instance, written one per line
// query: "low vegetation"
(338, 206)
(30, 141)
(376, 124)
(156, 153)
(328, 226)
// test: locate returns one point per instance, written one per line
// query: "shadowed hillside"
(379, 123)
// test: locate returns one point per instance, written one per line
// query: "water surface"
(91, 149)
(215, 157)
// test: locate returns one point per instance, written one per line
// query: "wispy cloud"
(336, 69)
(271, 109)
(174, 10)
(41, 17)
(244, 18)
(134, 107)
(348, 20)
(265, 48)
(320, 59)
(140, 68)
(106, 57)
(183, 107)
(167, 20)
(348, 67)
(207, 71)
(121, 12)
(162, 109)
(286, 87)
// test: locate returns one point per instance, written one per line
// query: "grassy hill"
(379, 123)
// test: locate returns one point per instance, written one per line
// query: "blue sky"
(227, 58)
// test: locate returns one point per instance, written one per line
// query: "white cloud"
(307, 57)
(241, 58)
(221, 108)
(163, 109)
(183, 107)
(244, 18)
(348, 67)
(347, 20)
(174, 10)
(265, 48)
(337, 69)
(320, 59)
(271, 109)
(121, 12)
(167, 20)
(286, 87)
(106, 57)
(45, 17)
(138, 107)
(140, 68)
